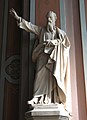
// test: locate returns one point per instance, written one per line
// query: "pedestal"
(47, 112)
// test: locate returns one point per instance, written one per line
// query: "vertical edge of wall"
(70, 33)
(31, 43)
(83, 17)
(76, 60)
(4, 35)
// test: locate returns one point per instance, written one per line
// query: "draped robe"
(52, 70)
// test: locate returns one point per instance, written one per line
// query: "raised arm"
(28, 26)
(14, 14)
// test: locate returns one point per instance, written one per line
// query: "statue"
(52, 57)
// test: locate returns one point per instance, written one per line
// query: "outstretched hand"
(14, 14)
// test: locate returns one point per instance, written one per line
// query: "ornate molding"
(12, 69)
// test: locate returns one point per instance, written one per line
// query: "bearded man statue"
(51, 55)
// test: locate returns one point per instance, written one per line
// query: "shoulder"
(61, 32)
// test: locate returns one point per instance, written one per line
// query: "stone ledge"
(48, 118)
(47, 112)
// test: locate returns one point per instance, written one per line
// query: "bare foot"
(33, 101)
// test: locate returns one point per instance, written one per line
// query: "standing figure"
(52, 57)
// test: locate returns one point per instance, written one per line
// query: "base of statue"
(47, 112)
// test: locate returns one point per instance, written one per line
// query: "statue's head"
(51, 19)
(51, 16)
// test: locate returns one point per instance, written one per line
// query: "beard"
(50, 27)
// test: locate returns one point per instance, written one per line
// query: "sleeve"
(28, 26)
(66, 41)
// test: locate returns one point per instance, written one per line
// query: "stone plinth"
(47, 112)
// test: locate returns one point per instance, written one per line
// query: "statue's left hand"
(49, 43)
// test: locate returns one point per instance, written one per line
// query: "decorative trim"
(86, 12)
(32, 16)
(32, 38)
(12, 69)
(62, 15)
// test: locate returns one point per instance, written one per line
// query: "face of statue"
(51, 19)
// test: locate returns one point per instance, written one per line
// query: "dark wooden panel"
(11, 102)
(11, 90)
(13, 32)
(1, 27)
(44, 6)
(1, 40)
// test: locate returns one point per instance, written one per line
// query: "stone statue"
(51, 54)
